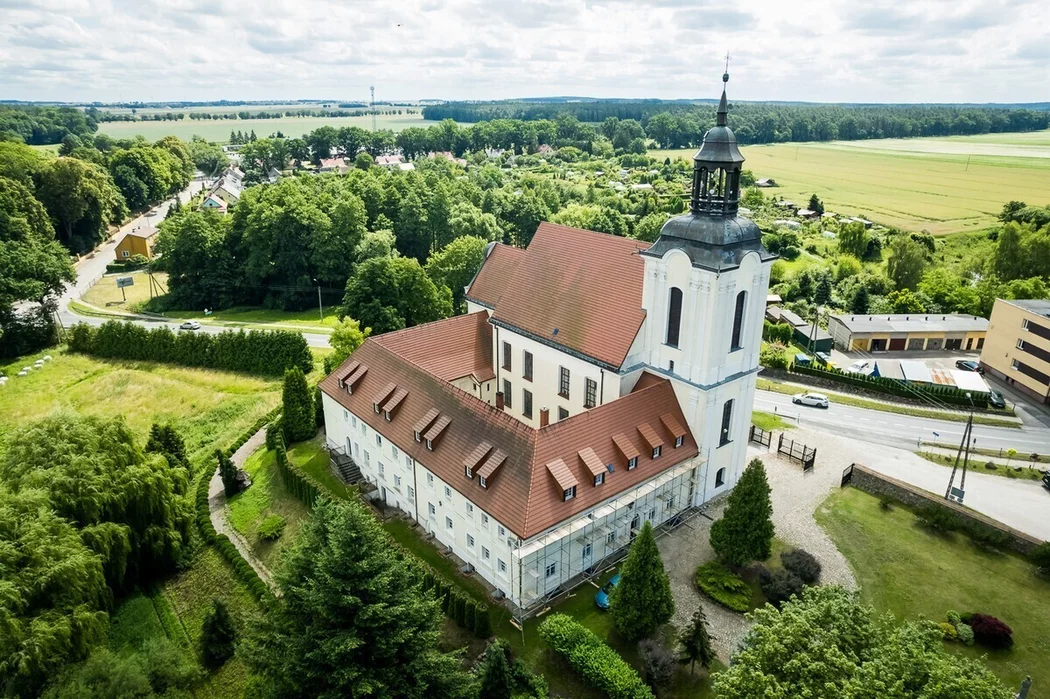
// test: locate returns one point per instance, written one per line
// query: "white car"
(817, 400)
(190, 325)
(860, 367)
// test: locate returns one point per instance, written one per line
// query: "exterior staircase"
(343, 465)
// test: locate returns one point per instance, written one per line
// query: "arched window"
(674, 316)
(720, 478)
(738, 320)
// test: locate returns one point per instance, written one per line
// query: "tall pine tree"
(228, 474)
(298, 407)
(217, 635)
(494, 673)
(745, 532)
(642, 600)
(696, 642)
(352, 619)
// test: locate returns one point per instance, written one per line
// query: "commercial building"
(1018, 347)
(596, 383)
(907, 332)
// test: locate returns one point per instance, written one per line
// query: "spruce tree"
(298, 407)
(217, 635)
(745, 532)
(352, 620)
(494, 673)
(696, 642)
(228, 474)
(642, 601)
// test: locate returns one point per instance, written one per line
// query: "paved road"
(91, 268)
(902, 431)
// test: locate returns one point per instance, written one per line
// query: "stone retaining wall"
(878, 484)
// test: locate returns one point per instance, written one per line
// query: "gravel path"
(795, 498)
(217, 508)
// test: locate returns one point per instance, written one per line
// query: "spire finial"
(725, 75)
(723, 105)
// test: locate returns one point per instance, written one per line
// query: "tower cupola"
(716, 167)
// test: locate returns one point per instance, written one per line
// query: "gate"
(760, 436)
(797, 451)
(847, 475)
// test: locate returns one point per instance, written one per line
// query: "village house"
(595, 383)
(138, 241)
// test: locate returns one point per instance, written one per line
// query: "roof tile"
(562, 474)
(650, 436)
(495, 274)
(672, 425)
(592, 462)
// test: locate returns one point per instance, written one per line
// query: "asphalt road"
(902, 431)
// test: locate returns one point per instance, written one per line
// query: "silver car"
(817, 400)
(190, 325)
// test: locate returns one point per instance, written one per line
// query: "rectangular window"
(448, 523)
(670, 503)
(502, 532)
(632, 462)
(507, 393)
(430, 445)
(1020, 344)
(611, 538)
(468, 473)
(379, 440)
(506, 356)
(569, 493)
(448, 492)
(394, 452)
(552, 570)
(353, 420)
(346, 416)
(679, 441)
(526, 402)
(484, 553)
(397, 481)
(430, 479)
(590, 396)
(586, 550)
(502, 566)
(408, 461)
(380, 468)
(657, 451)
(563, 382)
(482, 482)
(470, 509)
(470, 540)
(563, 414)
(418, 436)
(599, 479)
(411, 493)
(431, 509)
(727, 418)
(484, 519)
(526, 362)
(366, 457)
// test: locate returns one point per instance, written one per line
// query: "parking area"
(934, 360)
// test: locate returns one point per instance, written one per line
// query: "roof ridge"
(411, 328)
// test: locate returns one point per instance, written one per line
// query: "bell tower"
(706, 279)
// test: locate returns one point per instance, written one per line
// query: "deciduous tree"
(390, 293)
(455, 265)
(907, 262)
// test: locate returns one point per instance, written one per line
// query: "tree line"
(676, 125)
(245, 115)
(40, 126)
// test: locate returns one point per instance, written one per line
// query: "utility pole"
(964, 452)
(320, 308)
(372, 91)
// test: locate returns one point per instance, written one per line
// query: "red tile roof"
(495, 274)
(520, 492)
(577, 289)
(450, 349)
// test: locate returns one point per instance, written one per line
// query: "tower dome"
(713, 233)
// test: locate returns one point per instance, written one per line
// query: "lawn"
(939, 185)
(910, 572)
(769, 421)
(981, 465)
(209, 408)
(105, 294)
(219, 130)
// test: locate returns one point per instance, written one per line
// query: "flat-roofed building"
(908, 331)
(1018, 346)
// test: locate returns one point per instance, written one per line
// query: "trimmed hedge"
(596, 662)
(723, 586)
(893, 387)
(267, 352)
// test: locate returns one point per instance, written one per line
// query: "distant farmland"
(219, 130)
(943, 185)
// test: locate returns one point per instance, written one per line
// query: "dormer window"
(375, 407)
(430, 445)
(569, 493)
(657, 451)
(599, 479)
(679, 441)
(632, 463)
(417, 436)
(468, 473)
(481, 480)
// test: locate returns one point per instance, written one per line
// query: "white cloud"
(820, 50)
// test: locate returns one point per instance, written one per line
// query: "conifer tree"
(494, 673)
(217, 635)
(642, 600)
(745, 532)
(298, 406)
(228, 474)
(696, 642)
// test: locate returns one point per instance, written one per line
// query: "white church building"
(595, 383)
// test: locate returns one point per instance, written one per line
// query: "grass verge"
(904, 569)
(991, 468)
(769, 421)
(855, 402)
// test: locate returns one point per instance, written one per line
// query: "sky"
(811, 50)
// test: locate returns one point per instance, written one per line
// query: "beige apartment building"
(1017, 348)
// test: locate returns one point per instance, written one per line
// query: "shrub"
(217, 635)
(723, 586)
(991, 466)
(596, 662)
(937, 519)
(482, 623)
(948, 631)
(1040, 557)
(991, 632)
(470, 615)
(271, 528)
(271, 436)
(780, 586)
(658, 663)
(803, 564)
(885, 503)
(965, 634)
(953, 617)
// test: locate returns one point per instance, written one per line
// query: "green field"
(910, 572)
(938, 185)
(219, 130)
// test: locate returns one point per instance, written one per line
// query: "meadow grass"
(916, 190)
(219, 130)
(910, 572)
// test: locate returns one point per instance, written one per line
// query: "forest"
(43, 125)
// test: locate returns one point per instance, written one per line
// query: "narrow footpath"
(217, 508)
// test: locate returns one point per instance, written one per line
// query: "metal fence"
(797, 451)
(760, 436)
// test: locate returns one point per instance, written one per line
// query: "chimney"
(499, 400)
(545, 417)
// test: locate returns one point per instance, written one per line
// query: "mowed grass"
(916, 190)
(105, 294)
(910, 572)
(219, 130)
(209, 408)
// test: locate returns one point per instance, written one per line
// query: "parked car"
(190, 325)
(996, 400)
(817, 400)
(969, 365)
(602, 598)
(859, 367)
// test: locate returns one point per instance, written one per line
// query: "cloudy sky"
(810, 50)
